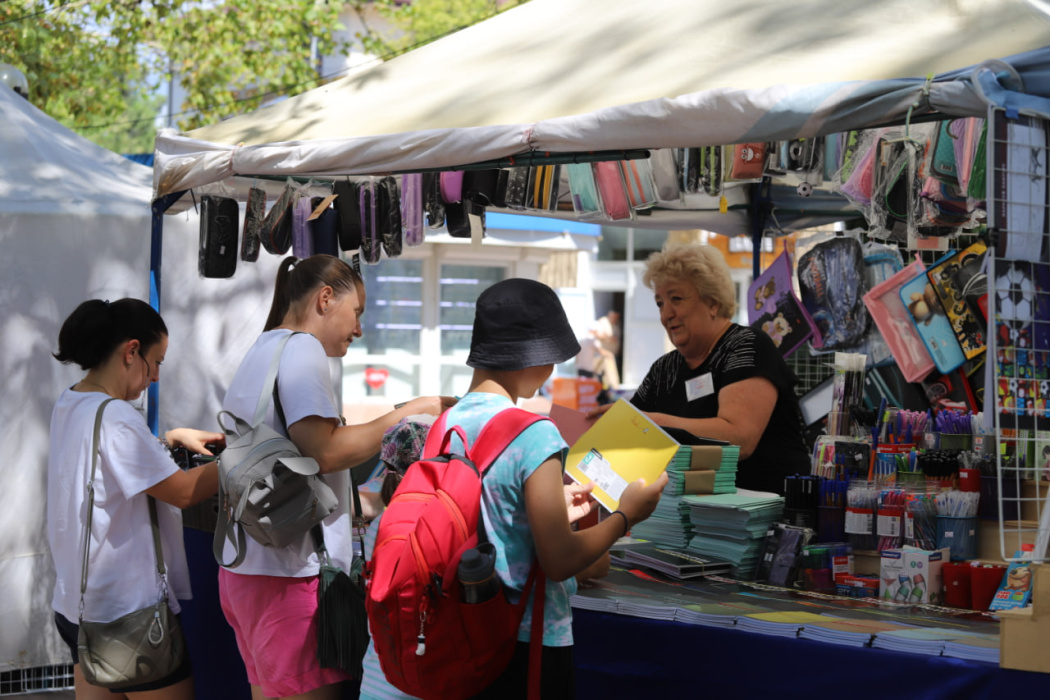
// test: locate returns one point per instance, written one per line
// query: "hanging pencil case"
(276, 231)
(975, 189)
(451, 186)
(302, 240)
(412, 208)
(748, 161)
(894, 323)
(324, 229)
(254, 213)
(388, 201)
(831, 284)
(348, 206)
(479, 186)
(433, 205)
(371, 248)
(942, 154)
(638, 179)
(517, 187)
(711, 174)
(217, 257)
(665, 175)
(585, 200)
(927, 315)
(965, 134)
(542, 189)
(689, 169)
(609, 180)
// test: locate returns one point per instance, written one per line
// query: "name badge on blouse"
(699, 387)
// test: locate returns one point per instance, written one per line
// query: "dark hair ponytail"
(297, 279)
(95, 328)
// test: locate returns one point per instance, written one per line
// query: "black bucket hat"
(520, 323)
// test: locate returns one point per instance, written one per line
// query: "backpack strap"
(501, 430)
(271, 380)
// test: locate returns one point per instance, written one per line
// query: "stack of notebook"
(702, 469)
(732, 526)
(669, 525)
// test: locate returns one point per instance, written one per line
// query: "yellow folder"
(622, 446)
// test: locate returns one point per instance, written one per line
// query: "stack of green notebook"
(733, 526)
(703, 469)
(669, 524)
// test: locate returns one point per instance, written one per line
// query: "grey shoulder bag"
(142, 646)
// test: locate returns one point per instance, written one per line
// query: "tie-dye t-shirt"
(503, 510)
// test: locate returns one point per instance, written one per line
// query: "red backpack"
(430, 643)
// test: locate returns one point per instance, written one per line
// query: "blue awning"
(521, 222)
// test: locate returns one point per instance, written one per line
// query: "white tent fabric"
(574, 76)
(74, 224)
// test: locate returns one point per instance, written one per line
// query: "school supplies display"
(959, 284)
(781, 557)
(891, 316)
(267, 489)
(861, 506)
(436, 645)
(774, 309)
(831, 284)
(622, 446)
(928, 316)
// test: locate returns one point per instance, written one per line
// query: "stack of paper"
(674, 562)
(920, 640)
(669, 525)
(983, 647)
(716, 614)
(846, 632)
(733, 526)
(703, 469)
(783, 623)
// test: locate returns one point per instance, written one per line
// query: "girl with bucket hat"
(520, 333)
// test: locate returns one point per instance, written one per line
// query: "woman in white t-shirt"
(270, 600)
(121, 346)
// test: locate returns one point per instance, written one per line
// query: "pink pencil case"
(894, 322)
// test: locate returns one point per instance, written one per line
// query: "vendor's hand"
(194, 440)
(578, 500)
(639, 499)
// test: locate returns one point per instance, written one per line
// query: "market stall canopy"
(574, 76)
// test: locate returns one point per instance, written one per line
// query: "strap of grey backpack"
(225, 527)
(157, 551)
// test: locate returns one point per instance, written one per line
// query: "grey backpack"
(266, 488)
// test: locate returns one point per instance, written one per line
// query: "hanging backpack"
(267, 489)
(430, 643)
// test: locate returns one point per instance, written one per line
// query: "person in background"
(610, 333)
(270, 600)
(520, 332)
(121, 345)
(722, 380)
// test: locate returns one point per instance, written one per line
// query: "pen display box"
(958, 535)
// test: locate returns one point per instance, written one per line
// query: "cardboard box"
(912, 575)
(1024, 633)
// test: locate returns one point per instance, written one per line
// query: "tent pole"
(157, 208)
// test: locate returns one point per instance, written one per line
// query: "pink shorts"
(275, 621)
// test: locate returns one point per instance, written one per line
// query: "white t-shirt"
(122, 573)
(305, 385)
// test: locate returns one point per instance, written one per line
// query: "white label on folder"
(598, 470)
(699, 387)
